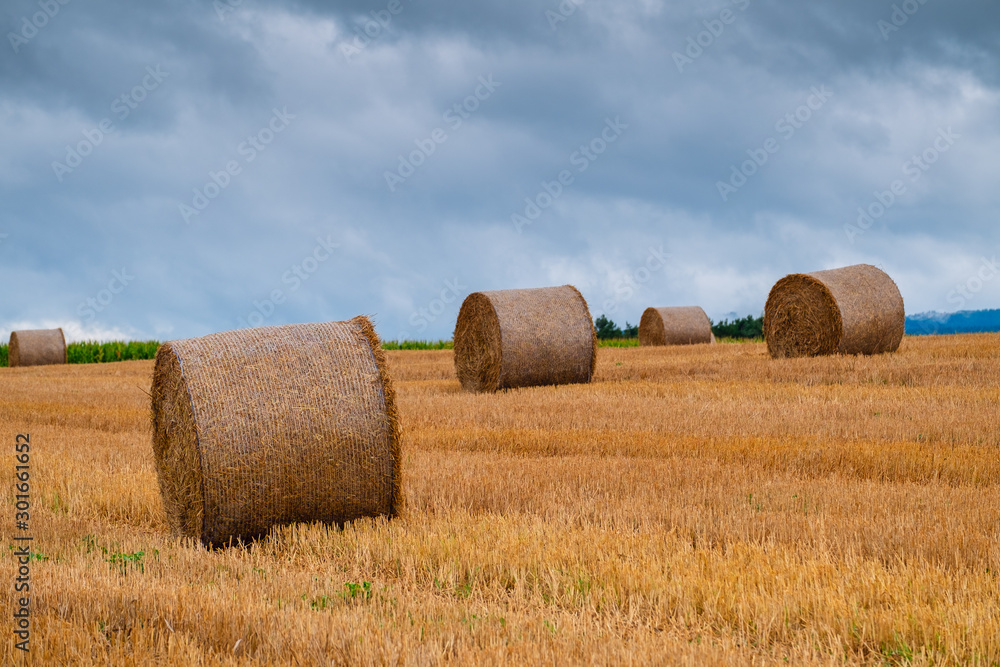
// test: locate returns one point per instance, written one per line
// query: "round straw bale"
(275, 425)
(854, 310)
(524, 338)
(36, 347)
(678, 325)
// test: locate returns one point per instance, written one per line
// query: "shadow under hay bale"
(36, 347)
(275, 425)
(678, 325)
(524, 338)
(853, 310)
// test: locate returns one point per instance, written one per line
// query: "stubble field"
(694, 505)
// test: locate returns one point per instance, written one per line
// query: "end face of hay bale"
(477, 344)
(175, 446)
(853, 310)
(275, 425)
(524, 338)
(678, 325)
(801, 318)
(37, 347)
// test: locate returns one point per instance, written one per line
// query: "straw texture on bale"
(524, 338)
(854, 310)
(275, 425)
(36, 347)
(678, 325)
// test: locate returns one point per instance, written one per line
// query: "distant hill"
(965, 321)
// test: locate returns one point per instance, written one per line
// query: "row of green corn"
(92, 352)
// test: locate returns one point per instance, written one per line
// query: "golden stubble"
(692, 505)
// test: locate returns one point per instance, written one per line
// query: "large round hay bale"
(524, 338)
(36, 347)
(678, 325)
(854, 310)
(275, 425)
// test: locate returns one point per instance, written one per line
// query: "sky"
(179, 168)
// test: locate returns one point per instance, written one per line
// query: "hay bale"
(854, 310)
(36, 347)
(274, 425)
(678, 325)
(524, 338)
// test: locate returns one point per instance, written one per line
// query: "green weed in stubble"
(120, 561)
(362, 590)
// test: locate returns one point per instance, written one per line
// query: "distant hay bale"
(36, 347)
(263, 427)
(854, 310)
(524, 338)
(678, 325)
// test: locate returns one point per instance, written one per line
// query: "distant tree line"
(746, 327)
(417, 345)
(607, 329)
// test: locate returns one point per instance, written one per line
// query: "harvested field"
(701, 504)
